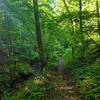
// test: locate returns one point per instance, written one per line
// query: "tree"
(98, 20)
(81, 29)
(38, 33)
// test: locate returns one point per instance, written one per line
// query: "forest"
(49, 49)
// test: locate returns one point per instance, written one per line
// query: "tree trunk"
(81, 30)
(38, 32)
(98, 20)
(80, 18)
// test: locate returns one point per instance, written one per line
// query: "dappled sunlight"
(95, 37)
(38, 82)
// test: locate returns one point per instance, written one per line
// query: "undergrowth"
(87, 79)
(32, 89)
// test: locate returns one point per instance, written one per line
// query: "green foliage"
(24, 68)
(33, 89)
(68, 55)
(55, 50)
(12, 73)
(88, 80)
(61, 36)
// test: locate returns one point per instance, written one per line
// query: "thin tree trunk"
(81, 29)
(38, 32)
(98, 20)
(80, 18)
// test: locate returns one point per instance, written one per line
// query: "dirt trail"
(60, 88)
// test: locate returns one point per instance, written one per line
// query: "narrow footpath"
(60, 88)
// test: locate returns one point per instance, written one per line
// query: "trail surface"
(60, 88)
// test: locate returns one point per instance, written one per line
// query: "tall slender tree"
(80, 18)
(98, 19)
(81, 29)
(38, 32)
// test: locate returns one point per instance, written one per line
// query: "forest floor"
(61, 87)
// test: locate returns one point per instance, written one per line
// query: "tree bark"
(98, 16)
(80, 18)
(38, 33)
(81, 30)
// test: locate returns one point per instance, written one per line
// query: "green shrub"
(33, 89)
(87, 78)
